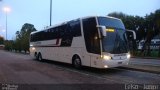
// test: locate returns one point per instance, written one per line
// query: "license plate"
(119, 62)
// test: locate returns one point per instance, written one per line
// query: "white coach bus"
(94, 41)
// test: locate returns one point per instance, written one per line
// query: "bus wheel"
(40, 57)
(76, 62)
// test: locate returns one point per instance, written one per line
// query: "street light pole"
(6, 25)
(50, 12)
(6, 10)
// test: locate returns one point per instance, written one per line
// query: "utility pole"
(6, 26)
(6, 10)
(50, 12)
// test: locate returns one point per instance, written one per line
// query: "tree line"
(21, 42)
(1, 40)
(146, 28)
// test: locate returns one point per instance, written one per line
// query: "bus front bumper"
(114, 63)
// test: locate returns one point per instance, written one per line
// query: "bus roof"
(48, 27)
(100, 16)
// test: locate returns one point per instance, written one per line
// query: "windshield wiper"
(115, 48)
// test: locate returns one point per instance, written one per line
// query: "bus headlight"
(33, 48)
(106, 57)
(128, 56)
(105, 66)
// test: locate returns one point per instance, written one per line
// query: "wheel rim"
(77, 63)
(36, 56)
(39, 57)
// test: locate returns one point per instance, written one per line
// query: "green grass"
(154, 53)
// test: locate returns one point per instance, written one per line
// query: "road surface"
(22, 69)
(150, 62)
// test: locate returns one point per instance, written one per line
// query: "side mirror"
(133, 33)
(102, 30)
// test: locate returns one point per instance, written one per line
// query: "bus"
(94, 41)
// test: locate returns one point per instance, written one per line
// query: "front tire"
(35, 56)
(77, 62)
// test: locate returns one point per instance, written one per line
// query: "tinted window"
(110, 22)
(65, 35)
(32, 38)
(91, 35)
(115, 42)
(75, 28)
(65, 31)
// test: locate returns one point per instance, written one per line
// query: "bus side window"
(75, 28)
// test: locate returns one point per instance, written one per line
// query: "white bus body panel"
(61, 54)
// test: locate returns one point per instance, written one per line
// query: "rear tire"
(77, 62)
(40, 57)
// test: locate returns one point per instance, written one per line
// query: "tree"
(139, 28)
(1, 40)
(8, 45)
(145, 27)
(152, 26)
(157, 25)
(129, 22)
(22, 37)
(120, 15)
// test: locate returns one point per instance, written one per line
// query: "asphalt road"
(22, 69)
(150, 62)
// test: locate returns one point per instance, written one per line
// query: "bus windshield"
(115, 42)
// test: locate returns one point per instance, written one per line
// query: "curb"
(142, 70)
(17, 52)
(157, 58)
